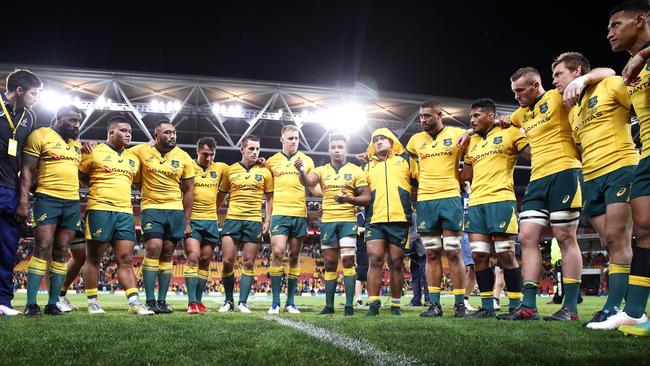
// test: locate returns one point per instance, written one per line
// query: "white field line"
(357, 346)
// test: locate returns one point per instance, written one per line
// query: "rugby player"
(16, 122)
(247, 183)
(55, 153)
(601, 126)
(390, 175)
(167, 184)
(629, 31)
(344, 186)
(200, 245)
(492, 213)
(109, 171)
(289, 218)
(439, 206)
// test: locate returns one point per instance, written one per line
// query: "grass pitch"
(234, 338)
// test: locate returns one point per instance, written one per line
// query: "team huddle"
(577, 137)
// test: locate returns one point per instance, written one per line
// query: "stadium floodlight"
(347, 118)
(53, 100)
(162, 107)
(233, 111)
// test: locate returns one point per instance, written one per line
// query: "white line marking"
(357, 346)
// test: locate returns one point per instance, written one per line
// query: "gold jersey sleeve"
(437, 167)
(58, 163)
(601, 125)
(640, 98)
(161, 176)
(246, 187)
(546, 125)
(289, 198)
(493, 158)
(110, 175)
(346, 179)
(206, 186)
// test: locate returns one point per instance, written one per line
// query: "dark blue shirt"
(10, 165)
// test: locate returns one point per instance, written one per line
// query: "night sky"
(461, 49)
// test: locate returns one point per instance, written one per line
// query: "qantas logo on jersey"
(160, 171)
(433, 155)
(639, 87)
(235, 186)
(590, 118)
(63, 157)
(335, 186)
(280, 174)
(117, 170)
(536, 124)
(485, 154)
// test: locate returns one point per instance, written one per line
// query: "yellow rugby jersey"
(161, 176)
(58, 163)
(438, 158)
(206, 186)
(246, 187)
(640, 98)
(389, 182)
(493, 160)
(110, 176)
(344, 180)
(601, 124)
(289, 198)
(546, 125)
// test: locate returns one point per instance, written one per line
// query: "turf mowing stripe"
(363, 348)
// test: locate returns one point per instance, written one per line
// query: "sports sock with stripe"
(571, 292)
(191, 277)
(512, 278)
(164, 278)
(150, 268)
(35, 272)
(201, 283)
(619, 275)
(276, 282)
(245, 284)
(485, 281)
(228, 281)
(57, 277)
(292, 284)
(639, 283)
(330, 288)
(349, 282)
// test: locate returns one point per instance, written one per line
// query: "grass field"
(306, 339)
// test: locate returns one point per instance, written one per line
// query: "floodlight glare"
(347, 117)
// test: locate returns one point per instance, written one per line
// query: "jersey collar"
(337, 170)
(484, 136)
(119, 152)
(532, 106)
(245, 168)
(289, 156)
(435, 135)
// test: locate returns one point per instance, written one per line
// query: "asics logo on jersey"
(621, 192)
(566, 199)
(97, 232)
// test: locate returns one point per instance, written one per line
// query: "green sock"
(276, 288)
(229, 286)
(571, 292)
(292, 285)
(149, 277)
(330, 291)
(638, 287)
(33, 284)
(164, 278)
(57, 277)
(459, 298)
(245, 284)
(487, 302)
(618, 279)
(56, 281)
(530, 294)
(434, 292)
(200, 288)
(190, 283)
(349, 282)
(637, 300)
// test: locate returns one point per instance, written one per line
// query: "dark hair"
(523, 72)
(161, 122)
(117, 119)
(573, 60)
(485, 103)
(337, 136)
(631, 5)
(249, 138)
(66, 109)
(430, 103)
(24, 79)
(210, 142)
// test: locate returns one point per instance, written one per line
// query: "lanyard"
(11, 123)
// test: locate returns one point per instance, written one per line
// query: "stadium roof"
(228, 109)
